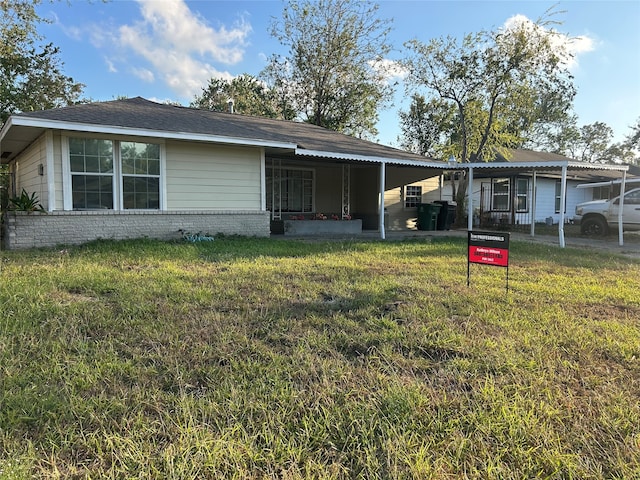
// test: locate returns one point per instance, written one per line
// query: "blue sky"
(168, 49)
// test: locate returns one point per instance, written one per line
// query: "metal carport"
(566, 167)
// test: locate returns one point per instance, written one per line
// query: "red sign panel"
(489, 248)
(489, 255)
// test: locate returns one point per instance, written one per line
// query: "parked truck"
(596, 218)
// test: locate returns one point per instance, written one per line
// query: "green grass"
(261, 359)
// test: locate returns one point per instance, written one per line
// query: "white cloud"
(180, 45)
(570, 48)
(390, 70)
(111, 67)
(144, 74)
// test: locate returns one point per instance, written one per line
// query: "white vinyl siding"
(212, 177)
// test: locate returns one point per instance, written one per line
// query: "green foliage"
(256, 359)
(31, 76)
(502, 84)
(26, 203)
(249, 95)
(333, 74)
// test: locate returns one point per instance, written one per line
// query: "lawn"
(262, 359)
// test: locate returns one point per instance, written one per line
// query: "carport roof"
(544, 162)
(141, 117)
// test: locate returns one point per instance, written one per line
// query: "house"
(530, 185)
(135, 168)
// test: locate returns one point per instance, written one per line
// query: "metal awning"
(564, 167)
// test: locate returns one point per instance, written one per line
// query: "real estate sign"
(488, 248)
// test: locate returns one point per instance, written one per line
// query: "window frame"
(93, 174)
(117, 175)
(270, 188)
(406, 196)
(501, 180)
(518, 194)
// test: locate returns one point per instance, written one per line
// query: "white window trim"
(518, 194)
(404, 196)
(118, 201)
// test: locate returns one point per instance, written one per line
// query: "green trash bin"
(428, 216)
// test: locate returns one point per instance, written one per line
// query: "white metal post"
(381, 199)
(563, 195)
(534, 199)
(470, 200)
(621, 207)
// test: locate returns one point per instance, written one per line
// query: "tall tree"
(425, 127)
(249, 95)
(502, 84)
(31, 76)
(590, 143)
(332, 73)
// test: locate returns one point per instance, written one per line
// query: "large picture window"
(114, 175)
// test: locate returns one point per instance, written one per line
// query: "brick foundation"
(29, 230)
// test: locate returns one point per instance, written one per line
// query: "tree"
(421, 126)
(503, 85)
(331, 76)
(590, 143)
(31, 75)
(249, 95)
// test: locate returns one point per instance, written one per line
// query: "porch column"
(563, 196)
(383, 175)
(470, 200)
(621, 207)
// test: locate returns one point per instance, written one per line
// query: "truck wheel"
(594, 227)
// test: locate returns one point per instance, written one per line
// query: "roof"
(525, 161)
(138, 116)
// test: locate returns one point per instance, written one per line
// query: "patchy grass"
(258, 359)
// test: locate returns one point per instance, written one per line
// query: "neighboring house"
(503, 190)
(135, 168)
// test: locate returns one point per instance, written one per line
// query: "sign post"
(488, 248)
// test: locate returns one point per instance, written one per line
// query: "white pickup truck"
(596, 217)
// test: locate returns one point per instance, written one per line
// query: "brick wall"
(23, 230)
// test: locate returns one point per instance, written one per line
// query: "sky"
(167, 50)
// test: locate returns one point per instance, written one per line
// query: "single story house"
(134, 168)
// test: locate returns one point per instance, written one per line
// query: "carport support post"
(563, 197)
(623, 187)
(470, 200)
(534, 190)
(383, 175)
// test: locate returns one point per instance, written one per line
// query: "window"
(114, 175)
(412, 196)
(500, 194)
(522, 195)
(140, 175)
(558, 195)
(91, 165)
(295, 192)
(631, 198)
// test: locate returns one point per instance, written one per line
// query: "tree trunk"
(461, 201)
